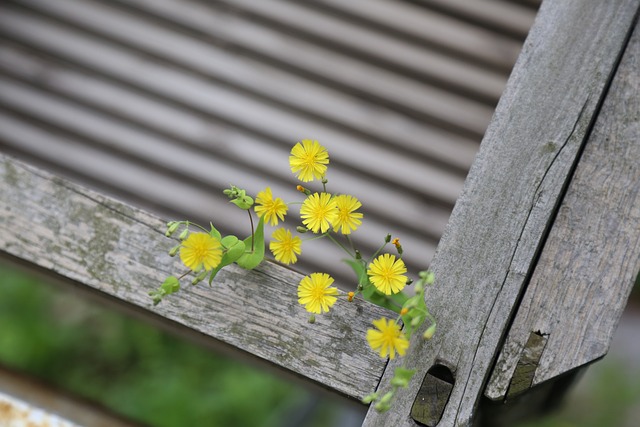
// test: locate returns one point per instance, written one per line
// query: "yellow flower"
(347, 219)
(285, 247)
(316, 293)
(309, 160)
(387, 274)
(318, 211)
(201, 250)
(387, 339)
(272, 209)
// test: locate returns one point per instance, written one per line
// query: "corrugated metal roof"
(167, 102)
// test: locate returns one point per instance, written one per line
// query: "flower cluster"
(381, 278)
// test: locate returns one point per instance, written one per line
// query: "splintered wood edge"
(510, 198)
(592, 256)
(120, 251)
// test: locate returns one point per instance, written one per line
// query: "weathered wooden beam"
(589, 263)
(120, 251)
(510, 198)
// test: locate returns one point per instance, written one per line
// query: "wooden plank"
(428, 102)
(510, 197)
(441, 69)
(502, 16)
(435, 30)
(590, 261)
(224, 102)
(120, 251)
(264, 80)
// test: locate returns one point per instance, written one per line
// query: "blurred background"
(164, 103)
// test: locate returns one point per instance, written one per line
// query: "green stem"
(253, 233)
(377, 253)
(340, 245)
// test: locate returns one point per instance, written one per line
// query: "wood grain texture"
(511, 194)
(121, 251)
(592, 256)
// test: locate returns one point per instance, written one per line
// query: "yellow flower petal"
(387, 338)
(318, 211)
(347, 219)
(387, 274)
(316, 293)
(284, 246)
(201, 251)
(309, 160)
(272, 209)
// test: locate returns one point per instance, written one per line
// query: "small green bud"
(427, 277)
(358, 254)
(417, 321)
(243, 202)
(369, 398)
(200, 277)
(428, 334)
(172, 226)
(184, 234)
(312, 319)
(170, 285)
(301, 229)
(384, 404)
(174, 250)
(157, 296)
(409, 281)
(387, 238)
(325, 180)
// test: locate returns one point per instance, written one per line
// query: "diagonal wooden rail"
(120, 252)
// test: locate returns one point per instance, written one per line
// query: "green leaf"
(358, 268)
(403, 373)
(250, 260)
(214, 232)
(234, 250)
(170, 285)
(228, 241)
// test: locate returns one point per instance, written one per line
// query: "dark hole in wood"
(433, 395)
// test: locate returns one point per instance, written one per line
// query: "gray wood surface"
(511, 194)
(590, 261)
(121, 251)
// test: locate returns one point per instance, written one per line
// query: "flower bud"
(428, 334)
(350, 296)
(312, 319)
(387, 238)
(174, 250)
(184, 234)
(200, 277)
(303, 190)
(172, 226)
(404, 311)
(301, 229)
